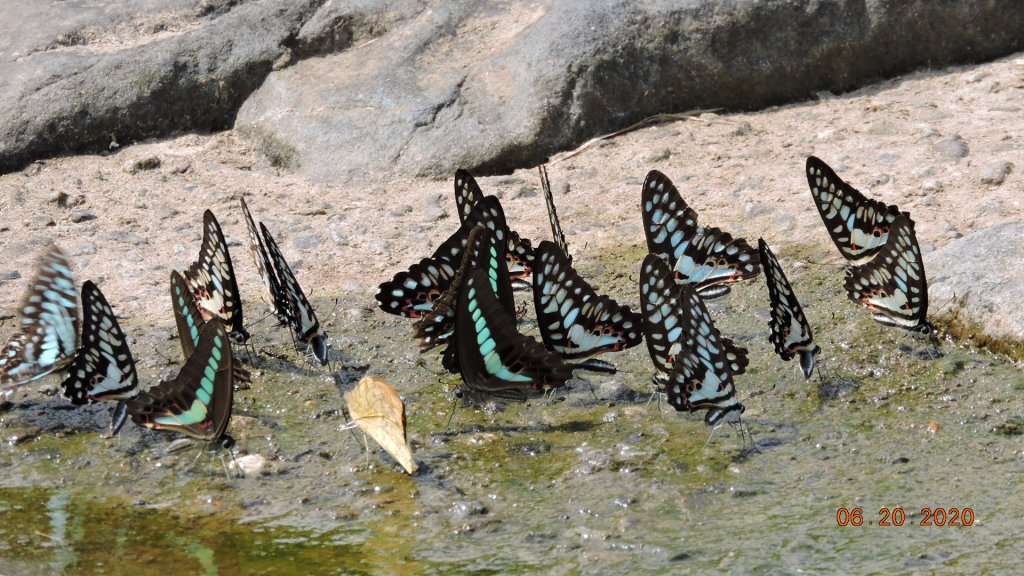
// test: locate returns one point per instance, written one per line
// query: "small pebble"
(996, 172)
(953, 148)
(148, 163)
(9, 275)
(82, 216)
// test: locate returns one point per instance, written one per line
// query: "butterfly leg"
(118, 416)
(455, 406)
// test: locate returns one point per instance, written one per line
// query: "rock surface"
(91, 76)
(497, 87)
(421, 87)
(984, 271)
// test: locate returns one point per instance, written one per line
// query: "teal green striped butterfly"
(495, 360)
(196, 403)
(190, 322)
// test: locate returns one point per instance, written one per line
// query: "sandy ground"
(127, 221)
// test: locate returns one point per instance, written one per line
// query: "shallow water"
(570, 485)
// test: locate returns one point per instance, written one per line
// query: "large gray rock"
(986, 270)
(80, 75)
(495, 86)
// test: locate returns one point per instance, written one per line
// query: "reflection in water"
(64, 554)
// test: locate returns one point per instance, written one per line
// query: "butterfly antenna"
(330, 315)
(455, 406)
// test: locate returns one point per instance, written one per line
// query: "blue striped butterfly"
(271, 282)
(48, 339)
(858, 226)
(411, 292)
(707, 257)
(103, 368)
(196, 403)
(520, 251)
(702, 374)
(212, 279)
(574, 320)
(484, 252)
(303, 318)
(668, 324)
(790, 333)
(495, 360)
(893, 285)
(190, 323)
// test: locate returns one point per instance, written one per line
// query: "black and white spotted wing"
(104, 368)
(411, 292)
(702, 376)
(574, 319)
(893, 284)
(278, 298)
(212, 280)
(859, 226)
(664, 321)
(483, 252)
(790, 333)
(47, 339)
(706, 257)
(520, 250)
(303, 316)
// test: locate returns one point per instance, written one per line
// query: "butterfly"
(198, 401)
(212, 279)
(520, 250)
(411, 292)
(265, 267)
(495, 360)
(303, 317)
(666, 322)
(556, 226)
(48, 339)
(484, 252)
(791, 334)
(858, 226)
(707, 257)
(574, 320)
(190, 323)
(104, 368)
(703, 370)
(893, 285)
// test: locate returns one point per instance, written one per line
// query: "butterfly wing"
(574, 320)
(467, 194)
(790, 332)
(556, 226)
(484, 252)
(661, 312)
(212, 279)
(104, 368)
(707, 257)
(495, 360)
(190, 324)
(702, 373)
(893, 285)
(198, 401)
(303, 316)
(48, 337)
(186, 316)
(266, 269)
(411, 292)
(858, 226)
